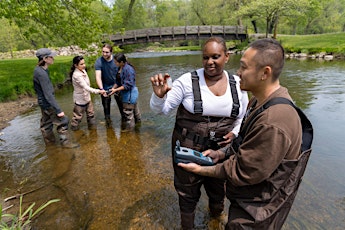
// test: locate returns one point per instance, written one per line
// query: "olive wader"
(131, 116)
(78, 113)
(48, 120)
(130, 109)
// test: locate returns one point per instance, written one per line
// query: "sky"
(109, 2)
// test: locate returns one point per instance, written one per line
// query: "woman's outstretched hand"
(159, 84)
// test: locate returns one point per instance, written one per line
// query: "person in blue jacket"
(128, 91)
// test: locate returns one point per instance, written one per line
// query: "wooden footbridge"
(177, 33)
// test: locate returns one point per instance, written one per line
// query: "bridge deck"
(177, 33)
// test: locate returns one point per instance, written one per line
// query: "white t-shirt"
(216, 106)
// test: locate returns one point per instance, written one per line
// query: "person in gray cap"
(51, 111)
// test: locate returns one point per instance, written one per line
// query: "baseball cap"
(45, 52)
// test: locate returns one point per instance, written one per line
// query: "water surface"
(124, 180)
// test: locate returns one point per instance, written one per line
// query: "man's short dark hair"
(269, 53)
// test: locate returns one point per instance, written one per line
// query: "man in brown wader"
(265, 163)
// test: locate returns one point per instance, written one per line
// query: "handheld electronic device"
(187, 155)
(108, 91)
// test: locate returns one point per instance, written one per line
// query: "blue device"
(187, 155)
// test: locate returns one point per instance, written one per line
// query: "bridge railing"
(176, 33)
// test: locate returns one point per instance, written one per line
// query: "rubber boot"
(137, 114)
(65, 140)
(91, 123)
(218, 222)
(49, 138)
(187, 221)
(218, 217)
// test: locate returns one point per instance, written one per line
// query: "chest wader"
(267, 205)
(118, 98)
(200, 133)
(48, 120)
(131, 114)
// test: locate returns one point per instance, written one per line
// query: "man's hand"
(61, 114)
(216, 155)
(191, 167)
(159, 85)
(110, 92)
(198, 169)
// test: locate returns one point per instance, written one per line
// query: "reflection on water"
(124, 180)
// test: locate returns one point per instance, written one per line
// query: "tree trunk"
(275, 28)
(129, 13)
(199, 16)
(254, 26)
(267, 22)
(272, 24)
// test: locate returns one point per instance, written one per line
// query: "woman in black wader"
(128, 92)
(210, 106)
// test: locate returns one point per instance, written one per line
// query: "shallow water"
(124, 180)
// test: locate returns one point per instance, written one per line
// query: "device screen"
(197, 154)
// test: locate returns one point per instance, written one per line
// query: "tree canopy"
(36, 23)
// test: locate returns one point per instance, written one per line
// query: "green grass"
(24, 217)
(333, 43)
(16, 76)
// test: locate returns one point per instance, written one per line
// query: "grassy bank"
(16, 76)
(333, 43)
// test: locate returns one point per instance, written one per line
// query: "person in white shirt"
(211, 106)
(81, 94)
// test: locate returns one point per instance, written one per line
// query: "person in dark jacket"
(127, 91)
(51, 111)
(264, 170)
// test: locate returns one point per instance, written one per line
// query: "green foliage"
(58, 22)
(217, 12)
(23, 219)
(38, 23)
(271, 10)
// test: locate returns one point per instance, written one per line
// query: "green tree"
(214, 14)
(170, 13)
(303, 23)
(272, 10)
(59, 21)
(129, 15)
(8, 36)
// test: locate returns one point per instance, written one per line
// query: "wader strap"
(197, 139)
(307, 128)
(196, 93)
(235, 102)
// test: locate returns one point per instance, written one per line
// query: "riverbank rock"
(61, 51)
(328, 57)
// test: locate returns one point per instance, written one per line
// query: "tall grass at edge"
(16, 75)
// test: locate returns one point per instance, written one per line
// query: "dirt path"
(9, 110)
